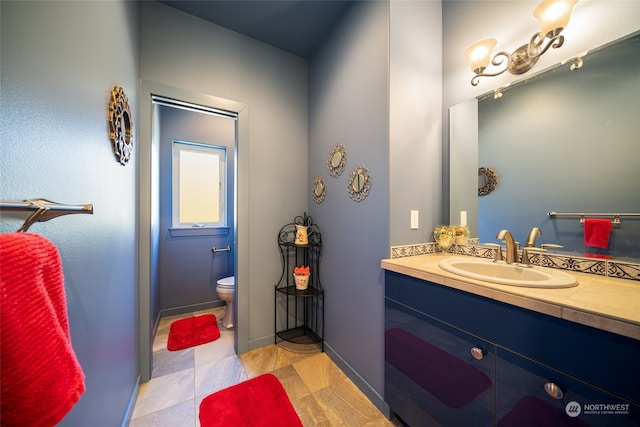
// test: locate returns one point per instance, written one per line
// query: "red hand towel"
(596, 232)
(41, 377)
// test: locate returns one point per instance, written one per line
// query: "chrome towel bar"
(582, 215)
(44, 210)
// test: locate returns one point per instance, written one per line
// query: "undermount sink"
(508, 274)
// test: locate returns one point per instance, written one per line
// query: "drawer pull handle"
(478, 353)
(553, 390)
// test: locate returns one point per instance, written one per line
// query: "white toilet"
(226, 290)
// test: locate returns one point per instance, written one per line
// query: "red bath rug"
(259, 402)
(185, 333)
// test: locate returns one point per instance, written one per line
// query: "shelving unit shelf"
(299, 313)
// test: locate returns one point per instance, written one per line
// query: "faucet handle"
(498, 256)
(526, 262)
(551, 246)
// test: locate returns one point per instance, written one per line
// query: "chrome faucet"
(512, 248)
(531, 240)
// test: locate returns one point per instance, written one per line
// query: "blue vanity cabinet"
(436, 374)
(525, 349)
(529, 394)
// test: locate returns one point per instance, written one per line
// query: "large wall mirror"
(563, 140)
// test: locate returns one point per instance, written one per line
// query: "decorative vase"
(302, 281)
(445, 241)
(444, 236)
(462, 234)
(302, 235)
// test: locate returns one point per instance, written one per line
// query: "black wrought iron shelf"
(299, 313)
(300, 335)
(309, 292)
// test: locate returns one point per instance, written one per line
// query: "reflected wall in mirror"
(564, 141)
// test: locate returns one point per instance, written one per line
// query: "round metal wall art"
(359, 184)
(319, 189)
(487, 181)
(120, 125)
(337, 160)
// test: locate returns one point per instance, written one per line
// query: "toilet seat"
(227, 282)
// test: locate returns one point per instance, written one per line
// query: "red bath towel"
(41, 377)
(596, 232)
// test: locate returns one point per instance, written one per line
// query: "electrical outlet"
(414, 220)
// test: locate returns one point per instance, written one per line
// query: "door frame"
(149, 210)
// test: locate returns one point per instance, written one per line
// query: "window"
(199, 187)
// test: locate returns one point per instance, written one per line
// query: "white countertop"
(601, 302)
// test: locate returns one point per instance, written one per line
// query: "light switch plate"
(414, 220)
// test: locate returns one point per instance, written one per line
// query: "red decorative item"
(40, 374)
(596, 232)
(185, 333)
(258, 402)
(302, 271)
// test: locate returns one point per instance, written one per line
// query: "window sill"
(199, 231)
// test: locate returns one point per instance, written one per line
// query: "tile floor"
(319, 391)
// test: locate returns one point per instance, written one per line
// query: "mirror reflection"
(319, 189)
(564, 140)
(359, 183)
(487, 181)
(337, 160)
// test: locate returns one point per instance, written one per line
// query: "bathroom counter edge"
(601, 302)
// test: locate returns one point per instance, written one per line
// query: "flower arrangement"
(302, 271)
(301, 277)
(462, 234)
(444, 235)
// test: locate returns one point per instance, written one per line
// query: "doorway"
(197, 190)
(149, 213)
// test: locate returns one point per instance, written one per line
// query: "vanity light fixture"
(553, 15)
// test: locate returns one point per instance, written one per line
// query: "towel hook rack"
(582, 215)
(43, 210)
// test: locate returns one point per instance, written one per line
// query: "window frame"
(198, 228)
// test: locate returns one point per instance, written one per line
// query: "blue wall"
(60, 62)
(349, 105)
(230, 71)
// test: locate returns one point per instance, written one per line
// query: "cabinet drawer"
(431, 376)
(522, 401)
(607, 360)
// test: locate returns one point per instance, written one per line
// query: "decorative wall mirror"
(487, 181)
(120, 125)
(337, 160)
(319, 189)
(359, 183)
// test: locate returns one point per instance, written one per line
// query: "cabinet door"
(531, 394)
(436, 374)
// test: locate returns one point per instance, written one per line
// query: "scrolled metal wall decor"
(337, 160)
(120, 125)
(319, 190)
(487, 181)
(359, 184)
